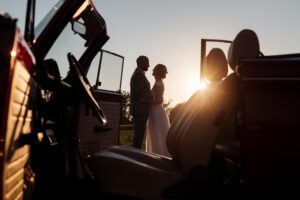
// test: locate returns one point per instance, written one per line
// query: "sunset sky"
(169, 32)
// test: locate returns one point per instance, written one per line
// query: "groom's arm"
(147, 97)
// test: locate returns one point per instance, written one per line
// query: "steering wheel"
(85, 87)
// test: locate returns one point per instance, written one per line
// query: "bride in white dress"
(158, 122)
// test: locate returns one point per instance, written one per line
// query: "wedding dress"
(158, 124)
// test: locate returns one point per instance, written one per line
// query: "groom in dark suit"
(140, 99)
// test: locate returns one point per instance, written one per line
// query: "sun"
(184, 89)
(194, 85)
(202, 85)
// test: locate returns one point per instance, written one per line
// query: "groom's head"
(142, 63)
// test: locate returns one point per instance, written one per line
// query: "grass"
(126, 135)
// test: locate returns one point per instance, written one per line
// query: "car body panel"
(17, 121)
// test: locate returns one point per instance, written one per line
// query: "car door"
(105, 76)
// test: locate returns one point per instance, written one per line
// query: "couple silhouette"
(146, 106)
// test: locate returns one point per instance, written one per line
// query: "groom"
(140, 98)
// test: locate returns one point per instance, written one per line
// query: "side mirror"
(78, 27)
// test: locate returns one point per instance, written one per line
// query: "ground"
(126, 135)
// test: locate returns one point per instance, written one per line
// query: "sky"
(170, 31)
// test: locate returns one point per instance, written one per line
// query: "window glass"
(19, 12)
(44, 14)
(111, 71)
(16, 12)
(93, 70)
(65, 43)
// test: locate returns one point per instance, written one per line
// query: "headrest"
(52, 68)
(245, 45)
(215, 67)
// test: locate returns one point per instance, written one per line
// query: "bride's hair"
(160, 70)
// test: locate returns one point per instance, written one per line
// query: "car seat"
(270, 134)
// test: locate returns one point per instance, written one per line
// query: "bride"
(158, 122)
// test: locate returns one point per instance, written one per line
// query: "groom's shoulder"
(137, 74)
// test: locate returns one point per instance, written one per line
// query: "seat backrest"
(215, 66)
(244, 46)
(194, 130)
(270, 137)
(270, 95)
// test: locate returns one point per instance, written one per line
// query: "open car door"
(105, 76)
